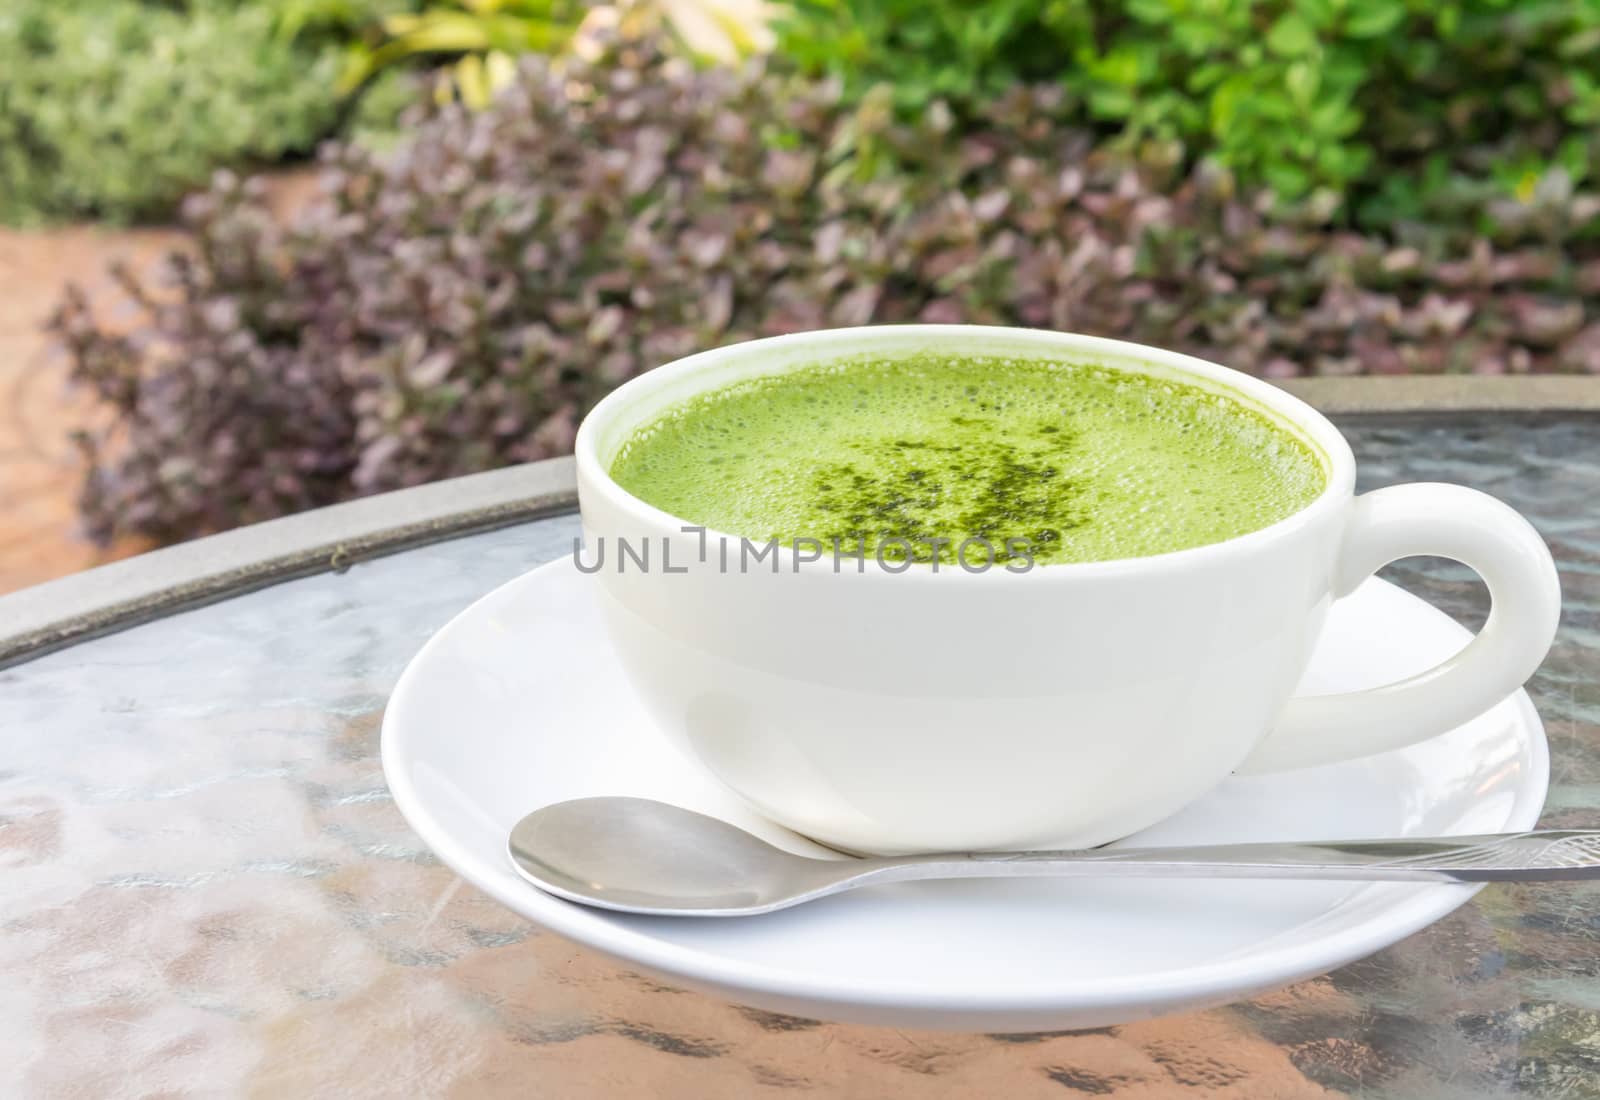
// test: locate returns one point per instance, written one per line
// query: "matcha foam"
(1083, 462)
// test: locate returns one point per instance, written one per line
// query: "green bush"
(480, 38)
(475, 43)
(927, 50)
(1380, 98)
(460, 303)
(116, 108)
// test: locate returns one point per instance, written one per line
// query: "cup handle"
(1449, 521)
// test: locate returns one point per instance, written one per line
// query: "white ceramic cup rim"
(643, 396)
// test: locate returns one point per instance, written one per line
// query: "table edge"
(59, 613)
(1444, 393)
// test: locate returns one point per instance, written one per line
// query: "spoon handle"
(1498, 857)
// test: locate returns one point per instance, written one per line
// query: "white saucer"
(516, 704)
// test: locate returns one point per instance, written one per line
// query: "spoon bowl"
(640, 856)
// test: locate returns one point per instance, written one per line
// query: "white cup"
(1064, 706)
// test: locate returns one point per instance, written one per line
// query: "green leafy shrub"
(480, 38)
(460, 303)
(1380, 97)
(114, 109)
(930, 50)
(476, 42)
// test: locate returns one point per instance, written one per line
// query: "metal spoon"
(635, 855)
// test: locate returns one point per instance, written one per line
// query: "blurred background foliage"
(1372, 111)
(477, 41)
(115, 108)
(526, 202)
(1403, 107)
(483, 35)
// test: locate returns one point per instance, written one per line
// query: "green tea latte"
(909, 456)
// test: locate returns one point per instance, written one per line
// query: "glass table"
(206, 891)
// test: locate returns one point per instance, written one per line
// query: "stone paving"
(39, 468)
